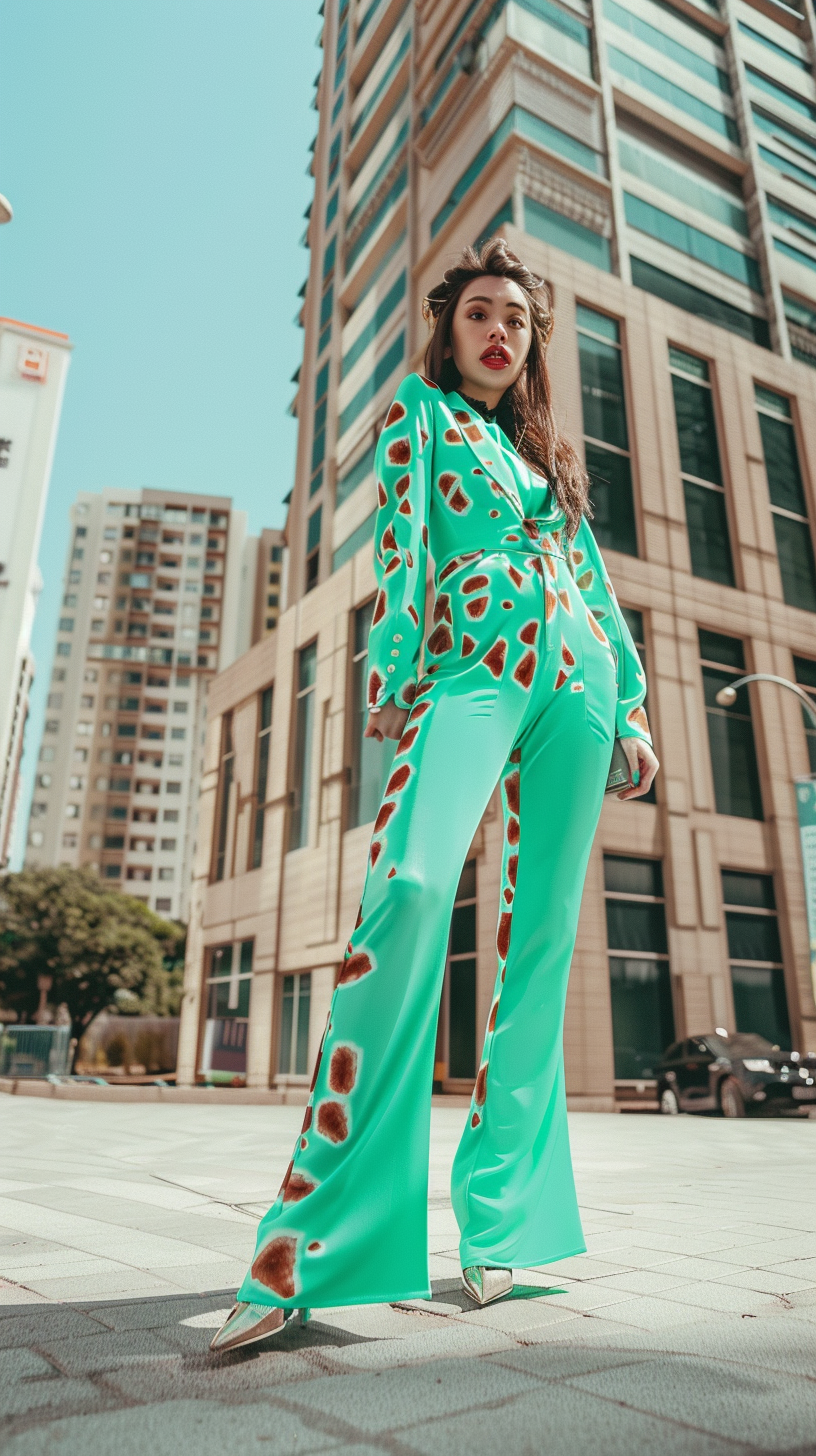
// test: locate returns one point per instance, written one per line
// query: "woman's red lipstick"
(496, 357)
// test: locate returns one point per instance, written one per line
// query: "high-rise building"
(158, 595)
(33, 368)
(655, 161)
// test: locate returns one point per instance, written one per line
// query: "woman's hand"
(642, 760)
(389, 722)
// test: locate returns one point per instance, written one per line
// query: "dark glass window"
(805, 671)
(456, 1035)
(370, 760)
(606, 434)
(703, 489)
(755, 954)
(228, 989)
(261, 775)
(313, 528)
(794, 543)
(302, 756)
(730, 730)
(293, 1038)
(227, 768)
(640, 980)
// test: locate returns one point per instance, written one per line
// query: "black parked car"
(734, 1075)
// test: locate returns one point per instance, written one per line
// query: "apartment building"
(655, 161)
(159, 594)
(33, 369)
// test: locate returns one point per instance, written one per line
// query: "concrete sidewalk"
(688, 1327)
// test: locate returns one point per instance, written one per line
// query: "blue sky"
(155, 153)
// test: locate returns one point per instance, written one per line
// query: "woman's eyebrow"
(480, 298)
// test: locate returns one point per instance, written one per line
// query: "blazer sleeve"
(593, 582)
(402, 466)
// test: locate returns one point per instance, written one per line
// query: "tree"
(99, 948)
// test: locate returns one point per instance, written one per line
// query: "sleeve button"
(395, 652)
(397, 637)
(390, 667)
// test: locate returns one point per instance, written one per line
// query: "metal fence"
(35, 1051)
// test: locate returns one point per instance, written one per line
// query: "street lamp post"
(805, 800)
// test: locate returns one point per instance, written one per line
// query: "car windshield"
(742, 1044)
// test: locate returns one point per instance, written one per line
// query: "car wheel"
(732, 1101)
(668, 1101)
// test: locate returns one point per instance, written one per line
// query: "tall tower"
(33, 368)
(157, 597)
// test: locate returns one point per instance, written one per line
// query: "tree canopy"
(100, 948)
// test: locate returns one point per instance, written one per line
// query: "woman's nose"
(497, 331)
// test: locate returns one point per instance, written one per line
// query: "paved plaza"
(688, 1327)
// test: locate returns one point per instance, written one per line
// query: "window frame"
(725, 490)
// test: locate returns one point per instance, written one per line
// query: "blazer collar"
(489, 454)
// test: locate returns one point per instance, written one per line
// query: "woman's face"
(491, 337)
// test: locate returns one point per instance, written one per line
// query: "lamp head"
(726, 697)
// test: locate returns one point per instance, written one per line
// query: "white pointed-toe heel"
(484, 1284)
(248, 1323)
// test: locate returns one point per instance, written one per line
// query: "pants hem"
(521, 1264)
(305, 1302)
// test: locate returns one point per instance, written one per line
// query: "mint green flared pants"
(524, 694)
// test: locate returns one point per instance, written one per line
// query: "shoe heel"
(305, 1316)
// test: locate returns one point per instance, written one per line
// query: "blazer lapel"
(489, 454)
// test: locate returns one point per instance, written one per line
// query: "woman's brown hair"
(525, 412)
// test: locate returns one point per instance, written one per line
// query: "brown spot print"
(511, 790)
(531, 529)
(379, 608)
(446, 482)
(407, 739)
(304, 1143)
(287, 1175)
(307, 1119)
(515, 756)
(429, 382)
(375, 682)
(477, 470)
(417, 711)
(512, 831)
(475, 1120)
(451, 566)
(358, 922)
(388, 542)
(332, 1121)
(494, 659)
(528, 632)
(477, 607)
(566, 655)
(424, 535)
(275, 1266)
(354, 968)
(525, 669)
(512, 869)
(408, 694)
(598, 631)
(637, 717)
(382, 498)
(440, 640)
(459, 502)
(343, 1069)
(297, 1187)
(474, 583)
(452, 437)
(585, 580)
(375, 852)
(473, 433)
(563, 597)
(313, 1247)
(508, 606)
(496, 488)
(468, 644)
(319, 1057)
(402, 486)
(425, 686)
(412, 613)
(577, 557)
(394, 564)
(536, 565)
(576, 687)
(551, 567)
(491, 1022)
(391, 873)
(398, 780)
(434, 667)
(462, 416)
(441, 608)
(404, 509)
(386, 810)
(493, 514)
(409, 560)
(503, 934)
(561, 679)
(396, 412)
(515, 576)
(512, 538)
(399, 451)
(480, 1090)
(508, 896)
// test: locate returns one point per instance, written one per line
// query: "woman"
(529, 673)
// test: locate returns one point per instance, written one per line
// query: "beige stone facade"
(710, 869)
